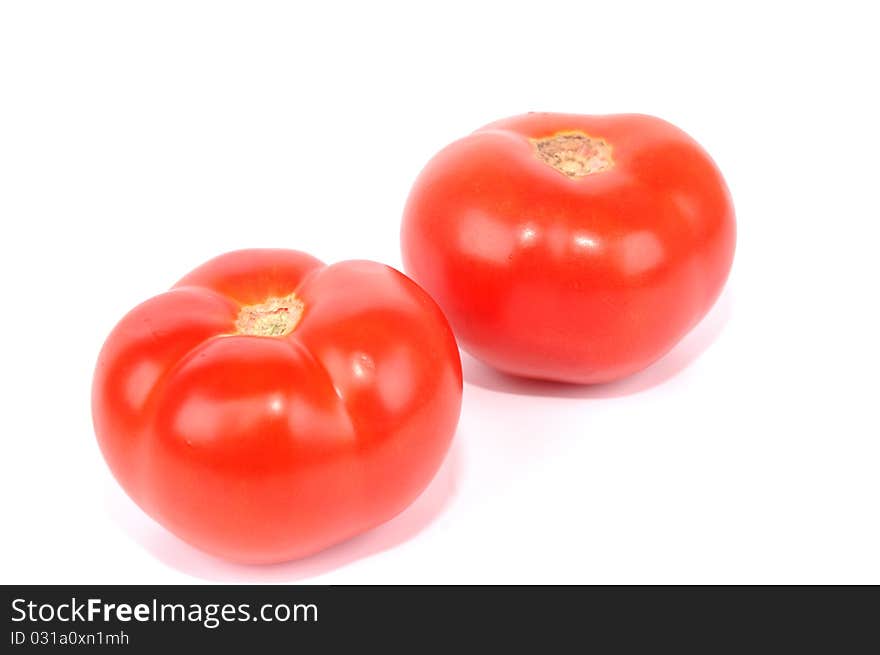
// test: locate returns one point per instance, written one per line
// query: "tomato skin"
(262, 448)
(581, 280)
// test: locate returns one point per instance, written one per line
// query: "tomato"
(571, 248)
(268, 405)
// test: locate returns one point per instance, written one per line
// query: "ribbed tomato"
(268, 405)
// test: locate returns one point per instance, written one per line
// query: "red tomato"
(269, 406)
(571, 248)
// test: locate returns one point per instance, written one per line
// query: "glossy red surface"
(580, 280)
(261, 448)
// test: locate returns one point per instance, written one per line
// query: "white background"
(139, 139)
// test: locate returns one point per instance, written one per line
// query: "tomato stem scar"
(574, 154)
(276, 317)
